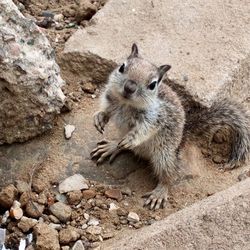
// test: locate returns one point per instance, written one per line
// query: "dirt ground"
(59, 158)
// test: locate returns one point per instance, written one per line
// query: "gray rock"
(78, 246)
(58, 17)
(34, 209)
(72, 183)
(61, 211)
(93, 222)
(68, 130)
(30, 84)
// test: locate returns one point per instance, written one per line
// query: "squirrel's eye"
(121, 69)
(152, 85)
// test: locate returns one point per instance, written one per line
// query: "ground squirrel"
(151, 120)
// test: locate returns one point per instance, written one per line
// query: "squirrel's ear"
(162, 70)
(134, 51)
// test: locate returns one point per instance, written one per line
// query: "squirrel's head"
(136, 81)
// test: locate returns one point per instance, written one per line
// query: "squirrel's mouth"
(126, 95)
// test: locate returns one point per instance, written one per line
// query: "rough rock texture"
(207, 44)
(61, 211)
(221, 221)
(67, 235)
(7, 196)
(46, 237)
(30, 84)
(26, 224)
(72, 183)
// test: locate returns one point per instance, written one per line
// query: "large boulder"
(206, 43)
(30, 83)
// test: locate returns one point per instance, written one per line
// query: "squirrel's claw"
(105, 149)
(156, 198)
(100, 120)
(126, 143)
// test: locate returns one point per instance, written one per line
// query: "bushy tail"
(221, 113)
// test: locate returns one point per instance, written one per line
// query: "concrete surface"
(221, 221)
(206, 42)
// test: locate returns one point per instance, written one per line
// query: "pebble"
(59, 26)
(88, 87)
(53, 219)
(72, 183)
(61, 197)
(68, 131)
(68, 235)
(48, 13)
(78, 246)
(218, 159)
(133, 217)
(86, 216)
(93, 222)
(185, 78)
(16, 211)
(113, 206)
(59, 17)
(94, 230)
(61, 211)
(84, 226)
(127, 191)
(26, 224)
(34, 209)
(88, 194)
(114, 194)
(74, 197)
(55, 226)
(7, 196)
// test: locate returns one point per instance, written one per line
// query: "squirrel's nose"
(130, 87)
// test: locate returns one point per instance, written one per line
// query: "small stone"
(68, 235)
(86, 216)
(7, 196)
(45, 22)
(78, 246)
(46, 237)
(59, 17)
(114, 194)
(2, 236)
(22, 186)
(65, 248)
(53, 219)
(133, 217)
(16, 211)
(218, 159)
(127, 191)
(34, 209)
(42, 199)
(55, 226)
(68, 130)
(26, 224)
(94, 230)
(59, 26)
(113, 206)
(84, 226)
(26, 197)
(74, 197)
(122, 212)
(88, 87)
(5, 217)
(107, 235)
(244, 176)
(85, 10)
(88, 194)
(61, 197)
(61, 211)
(48, 13)
(93, 222)
(72, 183)
(185, 78)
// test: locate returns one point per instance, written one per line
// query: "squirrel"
(152, 122)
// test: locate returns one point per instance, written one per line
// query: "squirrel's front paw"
(100, 120)
(127, 142)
